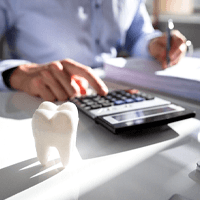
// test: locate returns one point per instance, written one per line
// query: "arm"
(143, 41)
(140, 33)
(57, 80)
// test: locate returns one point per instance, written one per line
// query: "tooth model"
(55, 126)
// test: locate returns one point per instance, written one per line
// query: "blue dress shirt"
(88, 31)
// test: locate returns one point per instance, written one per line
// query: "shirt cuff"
(6, 65)
(141, 48)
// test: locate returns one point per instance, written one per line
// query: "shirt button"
(97, 41)
(97, 6)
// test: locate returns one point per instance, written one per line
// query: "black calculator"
(123, 111)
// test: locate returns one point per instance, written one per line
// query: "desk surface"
(154, 164)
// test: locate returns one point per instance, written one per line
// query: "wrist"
(6, 76)
(19, 76)
(15, 79)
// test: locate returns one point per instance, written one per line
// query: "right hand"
(157, 48)
(57, 80)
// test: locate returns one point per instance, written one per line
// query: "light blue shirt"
(88, 31)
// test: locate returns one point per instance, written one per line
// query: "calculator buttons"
(127, 107)
(116, 101)
(119, 102)
(129, 100)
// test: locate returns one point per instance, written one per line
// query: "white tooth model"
(55, 126)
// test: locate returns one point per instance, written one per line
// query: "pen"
(170, 27)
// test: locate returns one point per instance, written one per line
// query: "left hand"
(56, 80)
(157, 48)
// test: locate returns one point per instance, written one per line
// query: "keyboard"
(126, 110)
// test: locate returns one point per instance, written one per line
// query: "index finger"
(177, 40)
(75, 68)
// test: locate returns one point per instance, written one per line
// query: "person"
(55, 44)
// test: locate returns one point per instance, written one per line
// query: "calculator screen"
(141, 113)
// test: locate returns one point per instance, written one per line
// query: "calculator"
(123, 111)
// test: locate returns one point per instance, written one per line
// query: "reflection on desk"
(106, 166)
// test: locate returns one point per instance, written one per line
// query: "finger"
(38, 88)
(164, 64)
(179, 52)
(46, 94)
(173, 60)
(54, 86)
(178, 57)
(64, 79)
(82, 83)
(74, 68)
(178, 36)
(177, 41)
(175, 56)
(76, 87)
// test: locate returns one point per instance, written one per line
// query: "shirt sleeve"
(8, 64)
(7, 21)
(140, 33)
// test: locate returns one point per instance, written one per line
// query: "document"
(187, 68)
(182, 79)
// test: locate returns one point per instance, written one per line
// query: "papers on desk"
(182, 79)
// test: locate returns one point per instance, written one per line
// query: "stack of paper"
(182, 79)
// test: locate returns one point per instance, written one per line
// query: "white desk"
(152, 165)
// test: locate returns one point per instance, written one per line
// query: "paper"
(181, 80)
(188, 68)
(138, 64)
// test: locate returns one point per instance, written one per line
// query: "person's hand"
(157, 48)
(57, 80)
